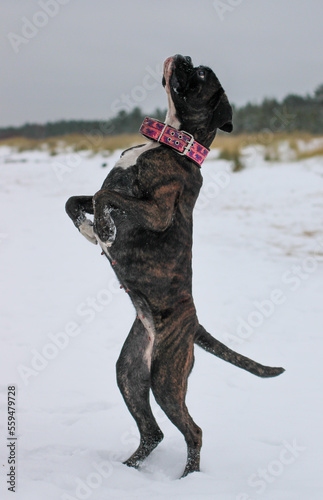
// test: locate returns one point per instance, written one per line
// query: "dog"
(143, 223)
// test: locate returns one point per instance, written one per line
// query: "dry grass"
(74, 142)
(230, 143)
(310, 154)
(21, 144)
(233, 143)
(230, 146)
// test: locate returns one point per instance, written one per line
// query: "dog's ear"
(222, 115)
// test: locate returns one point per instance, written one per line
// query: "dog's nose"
(179, 57)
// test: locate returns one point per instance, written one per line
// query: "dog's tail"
(210, 344)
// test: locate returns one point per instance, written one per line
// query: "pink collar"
(183, 142)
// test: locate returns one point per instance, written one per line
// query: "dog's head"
(197, 102)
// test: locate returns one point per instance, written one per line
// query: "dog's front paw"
(86, 229)
(104, 228)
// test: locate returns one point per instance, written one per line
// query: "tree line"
(294, 112)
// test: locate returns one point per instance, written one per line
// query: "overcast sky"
(87, 59)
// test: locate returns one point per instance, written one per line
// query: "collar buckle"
(189, 144)
(180, 141)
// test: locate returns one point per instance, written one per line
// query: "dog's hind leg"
(133, 377)
(171, 367)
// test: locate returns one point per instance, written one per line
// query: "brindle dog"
(143, 222)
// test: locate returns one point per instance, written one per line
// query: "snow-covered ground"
(258, 286)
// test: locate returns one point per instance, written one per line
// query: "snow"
(258, 285)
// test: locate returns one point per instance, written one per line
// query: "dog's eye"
(201, 73)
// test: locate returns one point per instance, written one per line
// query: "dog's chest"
(124, 175)
(122, 181)
(129, 157)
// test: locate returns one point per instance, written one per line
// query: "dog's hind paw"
(146, 446)
(86, 229)
(132, 463)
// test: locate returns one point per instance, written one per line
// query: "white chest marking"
(129, 158)
(171, 113)
(150, 330)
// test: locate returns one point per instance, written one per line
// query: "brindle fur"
(151, 204)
